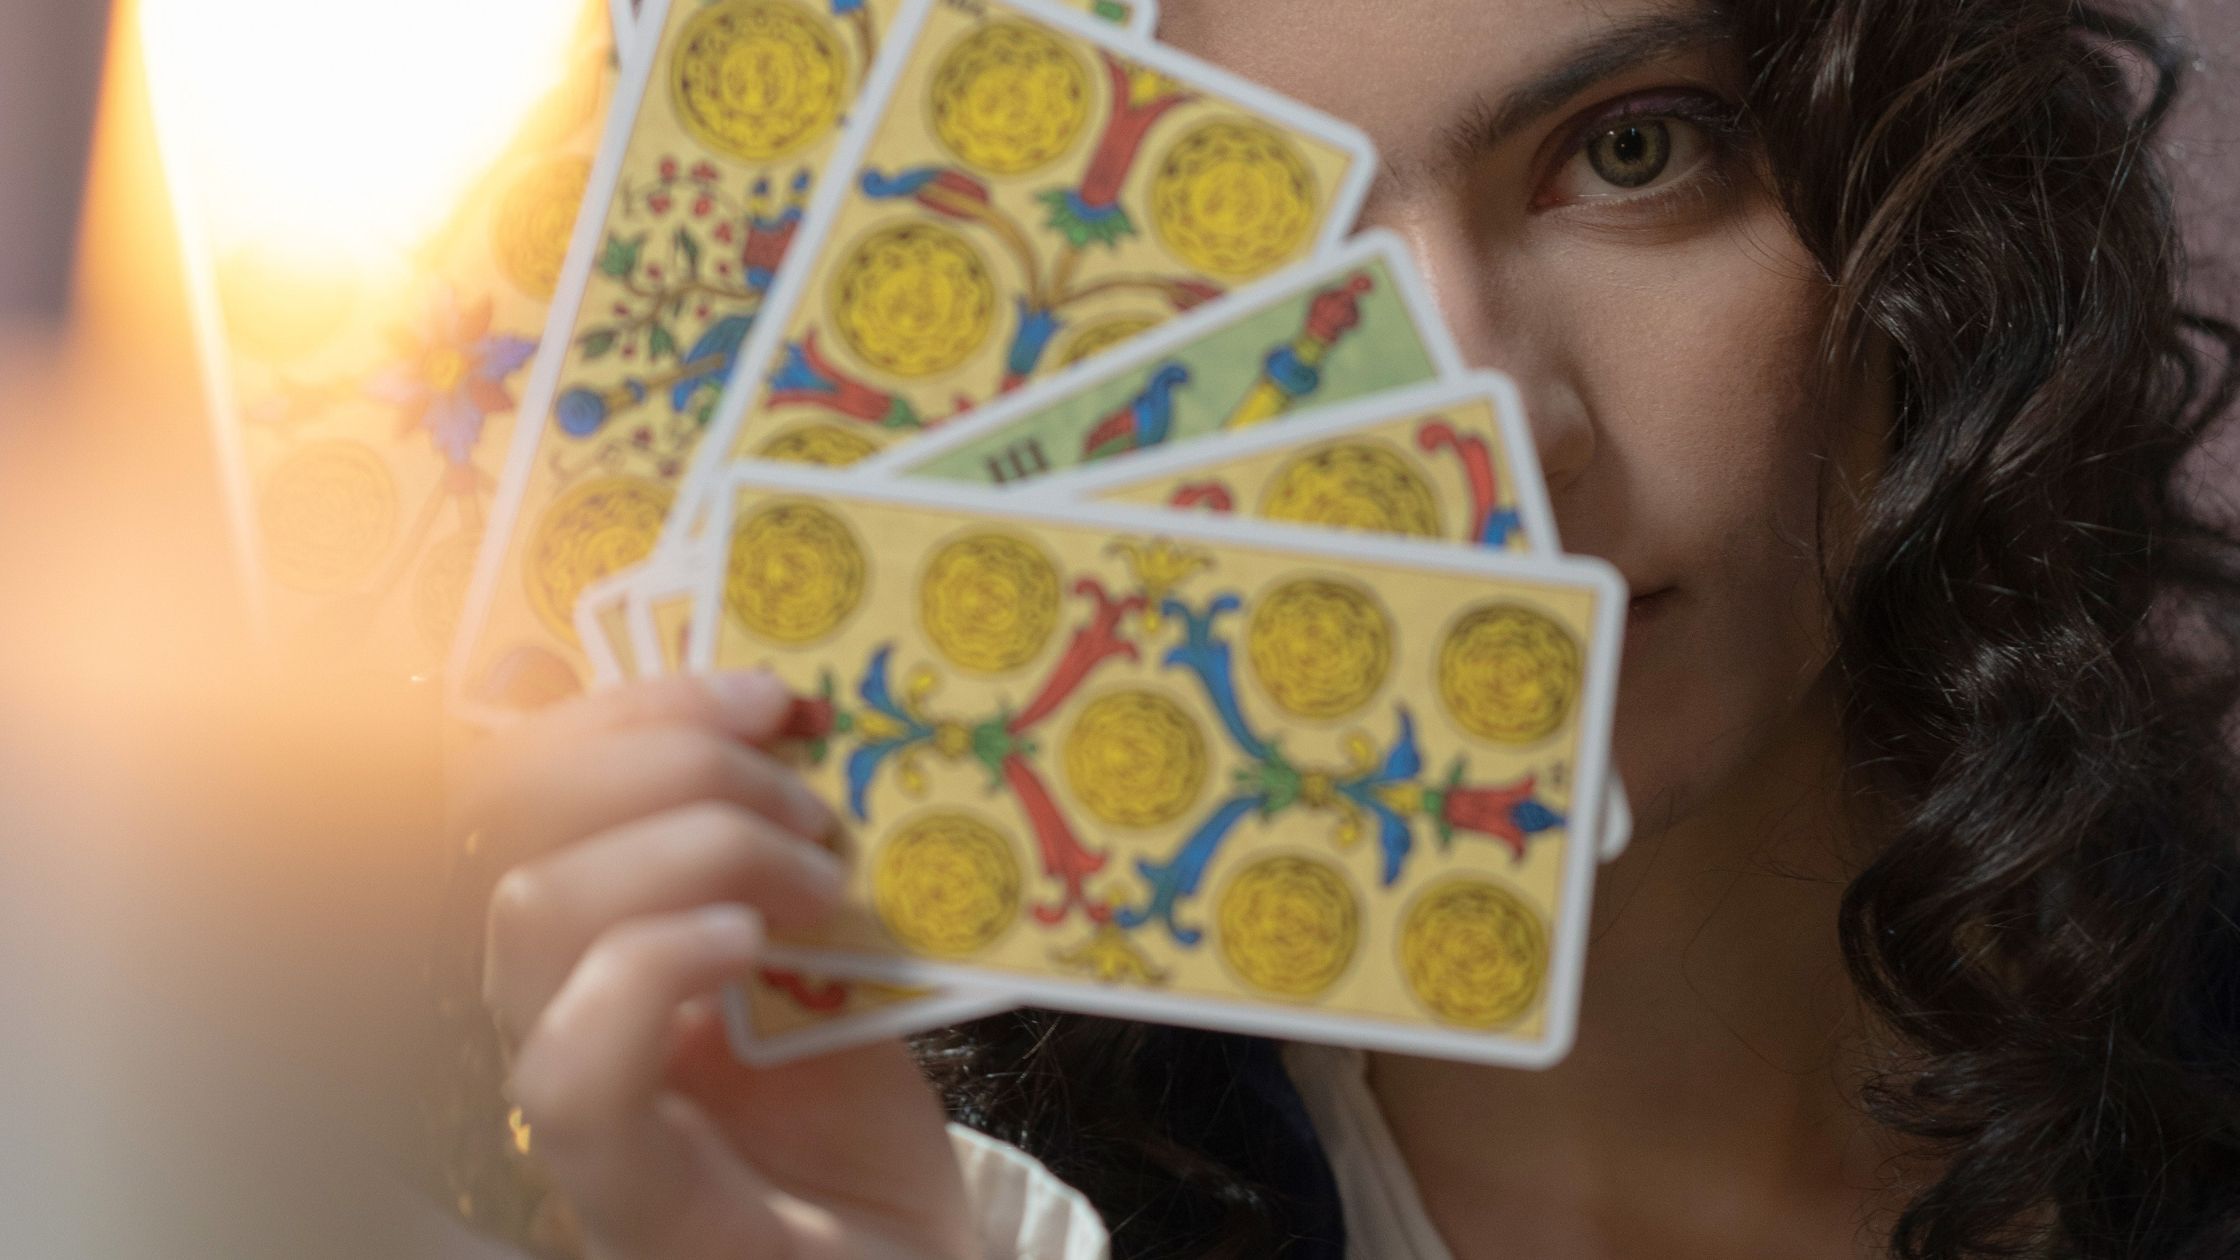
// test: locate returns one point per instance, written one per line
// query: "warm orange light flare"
(342, 131)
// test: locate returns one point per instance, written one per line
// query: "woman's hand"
(656, 836)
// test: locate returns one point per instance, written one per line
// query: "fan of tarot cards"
(1187, 632)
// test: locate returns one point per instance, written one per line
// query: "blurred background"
(136, 724)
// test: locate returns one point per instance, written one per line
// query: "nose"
(1493, 332)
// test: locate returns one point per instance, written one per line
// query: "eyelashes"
(1641, 151)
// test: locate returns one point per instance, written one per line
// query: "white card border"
(624, 15)
(606, 667)
(1145, 20)
(900, 1018)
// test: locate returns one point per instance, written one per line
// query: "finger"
(587, 788)
(752, 706)
(589, 1080)
(546, 914)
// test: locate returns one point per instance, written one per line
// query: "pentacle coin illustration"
(946, 884)
(1508, 673)
(796, 572)
(534, 219)
(989, 601)
(1010, 97)
(1135, 758)
(1473, 952)
(1321, 647)
(913, 299)
(328, 515)
(829, 445)
(598, 526)
(1360, 485)
(758, 79)
(1234, 198)
(1288, 925)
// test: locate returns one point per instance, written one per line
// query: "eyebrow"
(1491, 120)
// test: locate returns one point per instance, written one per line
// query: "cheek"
(1694, 364)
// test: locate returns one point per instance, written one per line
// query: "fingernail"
(737, 928)
(752, 694)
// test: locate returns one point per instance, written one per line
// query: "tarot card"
(361, 398)
(1452, 459)
(1155, 764)
(696, 193)
(1026, 190)
(1355, 323)
(779, 1015)
(726, 112)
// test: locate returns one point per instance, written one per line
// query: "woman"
(1850, 334)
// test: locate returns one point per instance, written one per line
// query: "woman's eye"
(1632, 155)
(1629, 157)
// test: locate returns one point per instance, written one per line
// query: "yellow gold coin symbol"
(1234, 198)
(1289, 925)
(913, 299)
(1010, 97)
(329, 514)
(1508, 673)
(796, 573)
(1094, 338)
(946, 884)
(1135, 758)
(989, 601)
(1320, 647)
(758, 79)
(598, 527)
(825, 444)
(1473, 953)
(1354, 485)
(529, 233)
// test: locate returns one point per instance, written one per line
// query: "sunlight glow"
(311, 128)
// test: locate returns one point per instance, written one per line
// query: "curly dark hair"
(2036, 627)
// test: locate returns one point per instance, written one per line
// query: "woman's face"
(1565, 173)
